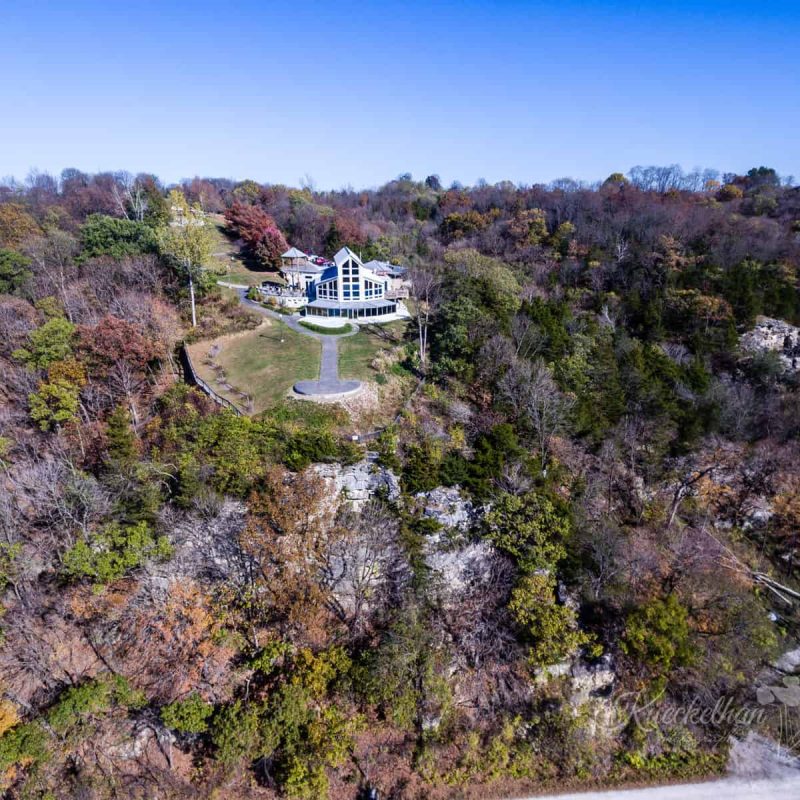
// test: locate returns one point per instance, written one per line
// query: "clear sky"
(357, 93)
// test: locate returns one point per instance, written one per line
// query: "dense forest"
(591, 494)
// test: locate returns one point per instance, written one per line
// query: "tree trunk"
(191, 296)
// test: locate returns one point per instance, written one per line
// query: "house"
(345, 289)
(349, 290)
(398, 278)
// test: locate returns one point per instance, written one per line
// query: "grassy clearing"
(337, 331)
(230, 263)
(264, 363)
(356, 353)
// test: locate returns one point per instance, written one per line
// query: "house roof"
(306, 267)
(385, 268)
(329, 272)
(343, 255)
(293, 252)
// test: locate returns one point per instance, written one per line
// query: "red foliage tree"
(113, 340)
(258, 231)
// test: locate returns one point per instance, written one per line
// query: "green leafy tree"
(14, 271)
(551, 627)
(57, 400)
(47, 344)
(530, 529)
(189, 715)
(108, 236)
(121, 442)
(658, 635)
(113, 550)
(188, 242)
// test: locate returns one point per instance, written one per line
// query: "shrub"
(189, 715)
(113, 550)
(337, 331)
(657, 634)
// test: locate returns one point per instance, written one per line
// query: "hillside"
(558, 529)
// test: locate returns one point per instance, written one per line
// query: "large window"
(327, 290)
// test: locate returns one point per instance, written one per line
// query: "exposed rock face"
(446, 506)
(461, 568)
(591, 680)
(205, 546)
(360, 481)
(460, 563)
(777, 336)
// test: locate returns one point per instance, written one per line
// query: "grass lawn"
(264, 363)
(356, 353)
(229, 262)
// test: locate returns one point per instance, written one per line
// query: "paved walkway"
(329, 383)
(728, 788)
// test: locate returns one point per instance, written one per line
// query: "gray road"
(726, 789)
(329, 382)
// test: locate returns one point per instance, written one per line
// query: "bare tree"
(426, 286)
(130, 196)
(531, 391)
(53, 265)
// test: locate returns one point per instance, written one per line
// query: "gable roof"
(293, 252)
(343, 255)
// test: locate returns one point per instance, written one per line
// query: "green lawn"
(356, 353)
(264, 363)
(229, 262)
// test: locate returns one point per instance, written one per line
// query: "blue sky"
(357, 93)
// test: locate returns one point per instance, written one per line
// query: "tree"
(53, 264)
(291, 536)
(107, 554)
(14, 271)
(551, 627)
(56, 400)
(258, 231)
(188, 242)
(426, 287)
(118, 238)
(530, 529)
(50, 342)
(189, 715)
(529, 389)
(16, 225)
(657, 633)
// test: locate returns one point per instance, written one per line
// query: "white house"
(344, 289)
(348, 290)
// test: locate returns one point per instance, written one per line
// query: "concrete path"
(726, 789)
(329, 385)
